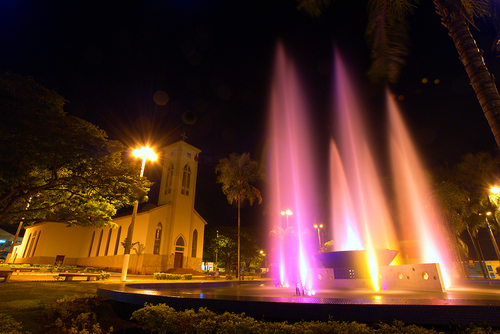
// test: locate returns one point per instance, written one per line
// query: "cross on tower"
(183, 135)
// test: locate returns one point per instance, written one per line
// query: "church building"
(169, 235)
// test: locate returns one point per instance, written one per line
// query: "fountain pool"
(464, 303)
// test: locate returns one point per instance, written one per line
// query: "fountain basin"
(464, 304)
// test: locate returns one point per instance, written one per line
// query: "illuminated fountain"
(366, 240)
(292, 167)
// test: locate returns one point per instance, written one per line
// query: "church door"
(178, 260)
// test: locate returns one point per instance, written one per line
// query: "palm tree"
(387, 33)
(463, 193)
(477, 173)
(236, 175)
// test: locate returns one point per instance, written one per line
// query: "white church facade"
(166, 236)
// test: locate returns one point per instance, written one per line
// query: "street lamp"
(316, 226)
(287, 213)
(216, 251)
(145, 153)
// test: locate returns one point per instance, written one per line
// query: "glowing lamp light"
(316, 226)
(287, 213)
(145, 153)
(495, 190)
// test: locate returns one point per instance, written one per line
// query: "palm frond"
(387, 34)
(313, 7)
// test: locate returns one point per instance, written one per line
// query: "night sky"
(116, 63)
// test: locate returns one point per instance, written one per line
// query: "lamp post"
(287, 213)
(144, 153)
(216, 251)
(316, 226)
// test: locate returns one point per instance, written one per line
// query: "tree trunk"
(238, 270)
(481, 79)
(478, 254)
(483, 259)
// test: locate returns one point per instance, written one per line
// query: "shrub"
(72, 315)
(105, 276)
(188, 277)
(229, 277)
(9, 326)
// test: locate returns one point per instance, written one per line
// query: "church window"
(31, 244)
(27, 244)
(156, 249)
(107, 243)
(179, 245)
(170, 176)
(99, 244)
(195, 243)
(186, 180)
(36, 243)
(91, 243)
(118, 239)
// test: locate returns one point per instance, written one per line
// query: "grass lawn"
(24, 300)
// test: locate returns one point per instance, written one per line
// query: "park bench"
(6, 274)
(70, 276)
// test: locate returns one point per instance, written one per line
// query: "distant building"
(169, 235)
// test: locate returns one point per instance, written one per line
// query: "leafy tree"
(458, 211)
(387, 34)
(223, 241)
(464, 194)
(327, 247)
(236, 175)
(56, 167)
(250, 247)
(477, 173)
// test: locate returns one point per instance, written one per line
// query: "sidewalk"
(47, 277)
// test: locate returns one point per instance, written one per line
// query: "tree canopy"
(57, 167)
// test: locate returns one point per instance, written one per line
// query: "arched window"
(179, 244)
(118, 239)
(186, 180)
(31, 244)
(91, 243)
(107, 243)
(36, 243)
(99, 244)
(27, 246)
(170, 176)
(195, 243)
(156, 249)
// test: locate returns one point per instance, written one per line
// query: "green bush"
(105, 276)
(72, 315)
(162, 318)
(169, 277)
(229, 277)
(9, 326)
(188, 277)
